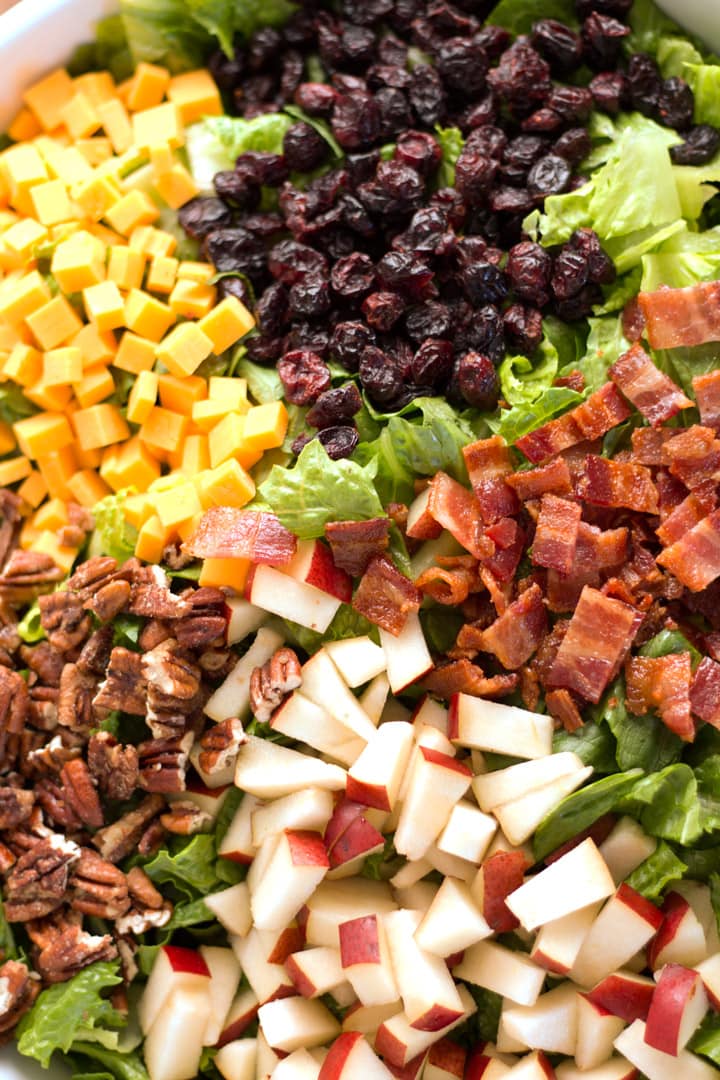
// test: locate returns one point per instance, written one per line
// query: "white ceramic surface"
(702, 17)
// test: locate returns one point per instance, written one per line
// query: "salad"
(360, 643)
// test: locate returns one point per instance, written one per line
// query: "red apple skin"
(388, 1047)
(325, 575)
(623, 997)
(425, 527)
(436, 1017)
(545, 1065)
(477, 1063)
(181, 959)
(374, 795)
(599, 1009)
(672, 993)
(239, 857)
(598, 831)
(674, 909)
(409, 1071)
(342, 818)
(291, 940)
(447, 1055)
(503, 873)
(360, 838)
(638, 903)
(544, 961)
(306, 848)
(194, 783)
(238, 1027)
(359, 941)
(436, 757)
(249, 582)
(453, 717)
(339, 1052)
(300, 980)
(454, 959)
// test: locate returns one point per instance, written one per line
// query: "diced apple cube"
(294, 1022)
(574, 881)
(504, 729)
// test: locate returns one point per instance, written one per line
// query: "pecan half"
(75, 699)
(37, 883)
(184, 818)
(25, 574)
(151, 595)
(49, 759)
(271, 683)
(71, 951)
(63, 620)
(44, 661)
(115, 767)
(6, 859)
(142, 889)
(15, 806)
(163, 763)
(43, 711)
(80, 794)
(10, 518)
(116, 841)
(124, 687)
(14, 705)
(110, 600)
(51, 797)
(173, 688)
(141, 919)
(97, 887)
(219, 746)
(18, 991)
(92, 575)
(207, 621)
(95, 654)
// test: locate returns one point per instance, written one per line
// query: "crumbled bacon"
(458, 511)
(385, 596)
(663, 683)
(694, 559)
(707, 395)
(705, 692)
(464, 677)
(354, 543)
(618, 484)
(489, 464)
(556, 534)
(509, 541)
(225, 532)
(687, 515)
(693, 456)
(550, 479)
(647, 444)
(652, 392)
(689, 316)
(516, 634)
(596, 551)
(599, 635)
(562, 707)
(449, 586)
(592, 419)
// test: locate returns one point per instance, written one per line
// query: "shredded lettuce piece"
(513, 423)
(118, 1064)
(320, 126)
(704, 81)
(581, 809)
(264, 383)
(593, 743)
(652, 876)
(451, 143)
(519, 15)
(706, 1040)
(213, 144)
(30, 628)
(113, 536)
(522, 383)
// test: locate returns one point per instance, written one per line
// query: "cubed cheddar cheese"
(133, 209)
(184, 349)
(206, 414)
(47, 97)
(135, 354)
(99, 425)
(162, 273)
(137, 509)
(24, 168)
(104, 306)
(98, 86)
(96, 347)
(61, 367)
(78, 262)
(80, 116)
(57, 468)
(54, 323)
(62, 555)
(196, 271)
(24, 365)
(14, 469)
(143, 396)
(88, 459)
(50, 398)
(180, 395)
(176, 187)
(152, 241)
(148, 86)
(227, 323)
(96, 197)
(88, 488)
(226, 440)
(50, 202)
(126, 267)
(134, 466)
(33, 489)
(227, 485)
(52, 515)
(95, 150)
(162, 158)
(24, 127)
(151, 540)
(95, 385)
(225, 573)
(42, 434)
(230, 389)
(266, 426)
(21, 298)
(23, 236)
(8, 442)
(147, 316)
(162, 123)
(70, 166)
(194, 456)
(192, 300)
(196, 95)
(116, 124)
(177, 505)
(164, 430)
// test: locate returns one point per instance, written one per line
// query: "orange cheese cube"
(21, 298)
(206, 414)
(188, 528)
(96, 150)
(24, 365)
(50, 202)
(7, 439)
(96, 197)
(80, 116)
(184, 349)
(50, 398)
(88, 488)
(62, 555)
(23, 236)
(23, 168)
(62, 366)
(147, 87)
(162, 158)
(53, 323)
(14, 469)
(57, 468)
(24, 127)
(99, 425)
(135, 354)
(194, 456)
(180, 395)
(104, 306)
(159, 124)
(152, 241)
(227, 485)
(88, 459)
(161, 274)
(196, 271)
(98, 86)
(43, 433)
(96, 348)
(137, 509)
(47, 97)
(95, 385)
(134, 466)
(266, 425)
(28, 536)
(176, 187)
(151, 540)
(225, 573)
(196, 95)
(33, 489)
(116, 124)
(142, 397)
(135, 208)
(227, 323)
(226, 440)
(192, 300)
(164, 430)
(146, 316)
(177, 505)
(52, 515)
(71, 167)
(126, 267)
(230, 389)
(78, 262)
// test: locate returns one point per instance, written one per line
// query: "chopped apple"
(241, 1014)
(520, 818)
(677, 1009)
(267, 770)
(236, 1060)
(452, 922)
(468, 832)
(300, 1065)
(427, 554)
(351, 1058)
(357, 843)
(623, 927)
(366, 961)
(294, 1022)
(298, 864)
(399, 1043)
(224, 978)
(315, 971)
(374, 778)
(533, 1067)
(358, 659)
(445, 1061)
(429, 711)
(504, 729)
(626, 847)
(277, 945)
(597, 1030)
(680, 939)
(208, 800)
(336, 902)
(710, 971)
(418, 897)
(237, 843)
(698, 897)
(657, 1065)
(450, 865)
(421, 525)
(266, 1058)
(232, 697)
(303, 720)
(276, 592)
(374, 697)
(484, 1067)
(624, 994)
(267, 980)
(574, 881)
(231, 908)
(244, 619)
(323, 684)
(224, 771)
(500, 875)
(511, 974)
(175, 968)
(616, 1068)
(437, 783)
(313, 564)
(558, 942)
(429, 995)
(310, 808)
(550, 1024)
(504, 785)
(174, 1042)
(406, 654)
(368, 1018)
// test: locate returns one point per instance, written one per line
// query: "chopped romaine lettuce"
(451, 142)
(519, 15)
(513, 423)
(521, 381)
(113, 536)
(120, 1065)
(582, 809)
(704, 80)
(213, 144)
(652, 877)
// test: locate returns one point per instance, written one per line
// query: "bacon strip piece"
(687, 515)
(517, 633)
(662, 683)
(652, 392)
(595, 552)
(618, 483)
(458, 511)
(693, 456)
(509, 541)
(355, 543)
(599, 635)
(705, 692)
(550, 479)
(385, 596)
(707, 394)
(561, 706)
(464, 677)
(689, 316)
(556, 534)
(226, 532)
(489, 464)
(592, 419)
(449, 586)
(694, 559)
(647, 444)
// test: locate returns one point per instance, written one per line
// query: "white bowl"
(701, 17)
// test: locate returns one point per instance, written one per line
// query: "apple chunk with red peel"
(557, 943)
(406, 654)
(231, 908)
(680, 939)
(366, 962)
(505, 785)
(626, 847)
(175, 968)
(315, 971)
(336, 902)
(437, 783)
(241, 1014)
(351, 1058)
(399, 1043)
(445, 1061)
(657, 1065)
(224, 979)
(300, 1065)
(374, 778)
(710, 971)
(550, 1024)
(237, 844)
(237, 1060)
(294, 1022)
(310, 808)
(503, 729)
(232, 697)
(520, 818)
(485, 1067)
(323, 684)
(358, 842)
(499, 876)
(427, 989)
(623, 927)
(358, 659)
(468, 832)
(276, 592)
(304, 721)
(267, 770)
(266, 979)
(367, 1018)
(452, 922)
(574, 881)
(596, 1033)
(624, 994)
(616, 1068)
(677, 1009)
(510, 974)
(297, 866)
(313, 564)
(174, 1043)
(533, 1067)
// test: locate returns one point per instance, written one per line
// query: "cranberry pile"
(372, 263)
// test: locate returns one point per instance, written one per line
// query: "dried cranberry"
(366, 12)
(481, 114)
(550, 175)
(490, 140)
(523, 328)
(529, 268)
(676, 104)
(392, 75)
(361, 167)
(304, 148)
(339, 441)
(353, 275)
(317, 99)
(355, 217)
(304, 375)
(452, 204)
(609, 90)
(427, 232)
(334, 406)
(494, 40)
(358, 46)
(570, 273)
(265, 46)
(236, 249)
(298, 444)
(483, 282)
(202, 216)
(237, 189)
(395, 114)
(430, 320)
(572, 103)
(407, 274)
(355, 120)
(271, 309)
(477, 381)
(432, 364)
(391, 50)
(265, 225)
(475, 174)
(427, 96)
(310, 297)
(227, 71)
(419, 150)
(262, 349)
(307, 335)
(558, 44)
(379, 375)
(580, 305)
(701, 145)
(602, 39)
(519, 154)
(348, 342)
(601, 269)
(345, 83)
(484, 333)
(299, 30)
(617, 8)
(510, 200)
(573, 145)
(264, 168)
(401, 184)
(237, 287)
(644, 84)
(383, 309)
(291, 74)
(522, 78)
(448, 20)
(463, 64)
(290, 262)
(256, 96)
(542, 122)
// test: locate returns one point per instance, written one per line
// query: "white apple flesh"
(241, 1014)
(437, 783)
(452, 922)
(468, 832)
(231, 908)
(680, 939)
(557, 943)
(366, 962)
(245, 619)
(294, 1022)
(336, 902)
(237, 843)
(310, 808)
(323, 684)
(623, 927)
(572, 882)
(505, 785)
(549, 1024)
(358, 659)
(429, 994)
(300, 1065)
(296, 868)
(677, 1009)
(351, 1058)
(399, 1043)
(503, 729)
(174, 1043)
(175, 968)
(303, 720)
(315, 971)
(520, 818)
(267, 770)
(616, 1068)
(511, 974)
(266, 980)
(232, 697)
(596, 1033)
(626, 847)
(368, 1018)
(657, 1065)
(374, 697)
(374, 778)
(406, 655)
(276, 592)
(236, 1060)
(224, 979)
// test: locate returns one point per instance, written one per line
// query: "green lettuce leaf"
(704, 81)
(190, 868)
(513, 423)
(13, 404)
(668, 642)
(649, 26)
(321, 126)
(606, 342)
(642, 742)
(652, 877)
(119, 1065)
(346, 623)
(666, 804)
(317, 490)
(451, 143)
(521, 381)
(582, 809)
(62, 1010)
(264, 384)
(214, 143)
(706, 1040)
(673, 53)
(190, 914)
(519, 15)
(113, 536)
(593, 743)
(30, 628)
(8, 948)
(685, 362)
